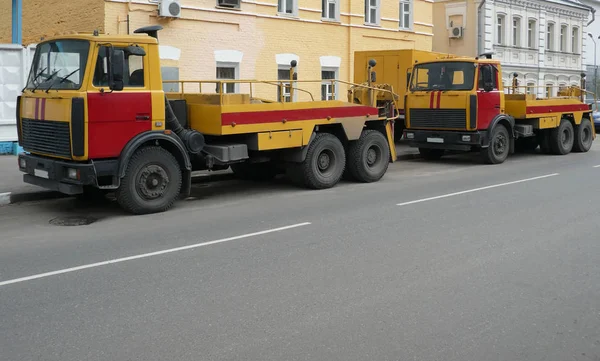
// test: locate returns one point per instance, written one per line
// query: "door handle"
(497, 106)
(142, 117)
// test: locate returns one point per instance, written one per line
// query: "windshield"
(58, 65)
(443, 76)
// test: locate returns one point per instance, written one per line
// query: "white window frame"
(236, 68)
(401, 25)
(530, 88)
(282, 8)
(516, 31)
(325, 15)
(531, 33)
(564, 28)
(550, 29)
(575, 36)
(500, 29)
(336, 93)
(368, 8)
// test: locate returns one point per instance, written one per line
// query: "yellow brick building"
(246, 39)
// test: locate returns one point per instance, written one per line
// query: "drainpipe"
(482, 50)
(17, 19)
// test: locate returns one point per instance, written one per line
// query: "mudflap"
(389, 132)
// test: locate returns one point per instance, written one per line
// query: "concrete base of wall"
(10, 148)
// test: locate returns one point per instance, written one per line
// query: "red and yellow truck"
(94, 116)
(460, 104)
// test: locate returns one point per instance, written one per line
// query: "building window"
(548, 90)
(563, 38)
(500, 29)
(516, 31)
(329, 9)
(531, 25)
(227, 72)
(328, 88)
(372, 12)
(530, 88)
(283, 73)
(575, 40)
(405, 14)
(287, 7)
(550, 37)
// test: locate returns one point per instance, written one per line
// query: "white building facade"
(541, 41)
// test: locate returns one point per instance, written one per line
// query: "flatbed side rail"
(282, 84)
(563, 92)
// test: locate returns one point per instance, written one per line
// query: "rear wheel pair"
(364, 160)
(566, 138)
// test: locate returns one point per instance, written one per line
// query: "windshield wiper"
(52, 84)
(67, 76)
(34, 79)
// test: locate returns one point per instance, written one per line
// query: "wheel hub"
(500, 144)
(324, 161)
(153, 181)
(371, 156)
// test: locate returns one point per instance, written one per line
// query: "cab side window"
(133, 75)
(494, 76)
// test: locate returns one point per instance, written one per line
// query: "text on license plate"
(435, 140)
(40, 173)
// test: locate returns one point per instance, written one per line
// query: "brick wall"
(259, 33)
(43, 18)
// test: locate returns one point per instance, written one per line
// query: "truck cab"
(460, 104)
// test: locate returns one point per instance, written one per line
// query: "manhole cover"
(73, 221)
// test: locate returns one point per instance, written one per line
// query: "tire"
(155, 166)
(499, 146)
(431, 154)
(562, 138)
(583, 136)
(324, 164)
(368, 158)
(255, 171)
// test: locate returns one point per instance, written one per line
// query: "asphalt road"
(448, 260)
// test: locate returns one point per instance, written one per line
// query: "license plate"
(435, 140)
(40, 173)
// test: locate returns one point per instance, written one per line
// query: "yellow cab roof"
(134, 38)
(461, 59)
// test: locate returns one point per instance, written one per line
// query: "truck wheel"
(499, 146)
(583, 136)
(368, 158)
(152, 182)
(431, 154)
(324, 164)
(254, 171)
(562, 138)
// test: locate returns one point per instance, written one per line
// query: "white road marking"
(597, 166)
(145, 255)
(475, 189)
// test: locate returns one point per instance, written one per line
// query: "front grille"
(438, 118)
(46, 137)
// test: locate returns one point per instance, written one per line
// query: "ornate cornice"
(550, 7)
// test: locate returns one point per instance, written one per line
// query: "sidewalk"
(14, 190)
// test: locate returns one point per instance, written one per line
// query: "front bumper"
(58, 175)
(452, 140)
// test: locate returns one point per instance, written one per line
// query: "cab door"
(488, 101)
(115, 117)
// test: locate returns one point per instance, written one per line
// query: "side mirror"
(488, 81)
(116, 68)
(135, 50)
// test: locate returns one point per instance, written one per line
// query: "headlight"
(466, 138)
(73, 173)
(410, 135)
(22, 163)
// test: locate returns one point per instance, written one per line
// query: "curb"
(11, 198)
